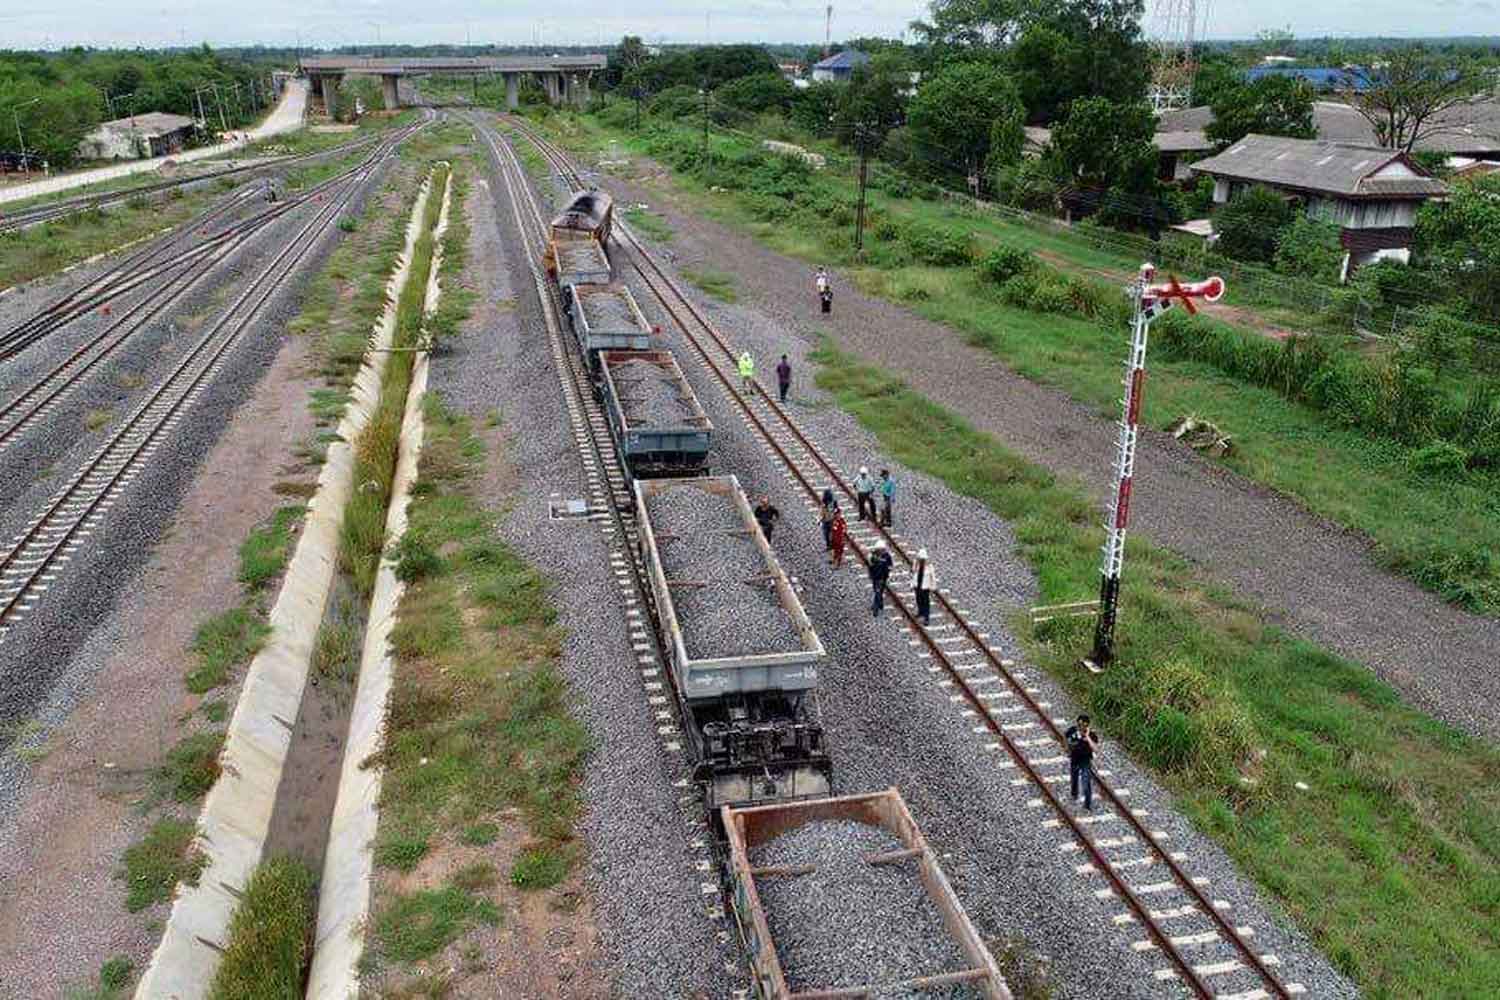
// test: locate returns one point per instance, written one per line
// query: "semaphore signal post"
(1150, 300)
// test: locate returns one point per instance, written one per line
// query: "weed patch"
(717, 284)
(191, 767)
(649, 224)
(270, 935)
(418, 925)
(153, 867)
(224, 641)
(538, 868)
(264, 554)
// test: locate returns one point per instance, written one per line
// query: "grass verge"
(1390, 860)
(418, 925)
(271, 935)
(716, 284)
(164, 857)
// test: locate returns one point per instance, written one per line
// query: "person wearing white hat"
(864, 490)
(880, 572)
(924, 582)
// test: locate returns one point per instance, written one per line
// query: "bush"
(676, 103)
(886, 231)
(1019, 290)
(938, 247)
(1309, 248)
(1052, 294)
(1439, 460)
(1005, 262)
(1250, 224)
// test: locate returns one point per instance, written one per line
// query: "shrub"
(1005, 262)
(1248, 226)
(1309, 248)
(677, 102)
(1439, 460)
(938, 246)
(1019, 290)
(886, 231)
(1052, 294)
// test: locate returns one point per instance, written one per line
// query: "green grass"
(153, 867)
(190, 768)
(717, 284)
(478, 719)
(226, 640)
(270, 935)
(417, 925)
(1443, 535)
(264, 553)
(340, 641)
(538, 868)
(1391, 859)
(649, 224)
(215, 711)
(113, 983)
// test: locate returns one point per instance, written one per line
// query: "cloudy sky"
(52, 23)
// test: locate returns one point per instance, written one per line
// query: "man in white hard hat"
(864, 490)
(924, 582)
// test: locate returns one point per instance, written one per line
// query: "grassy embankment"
(1439, 527)
(1390, 860)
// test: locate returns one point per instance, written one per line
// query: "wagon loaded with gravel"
(605, 318)
(659, 427)
(842, 897)
(743, 656)
(578, 239)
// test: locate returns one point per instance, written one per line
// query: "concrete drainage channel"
(236, 819)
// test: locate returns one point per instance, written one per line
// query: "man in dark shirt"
(783, 377)
(1082, 742)
(766, 516)
(880, 572)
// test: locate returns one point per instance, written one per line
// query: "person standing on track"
(864, 490)
(837, 537)
(924, 582)
(887, 496)
(747, 371)
(826, 512)
(880, 572)
(1082, 742)
(783, 377)
(766, 516)
(825, 290)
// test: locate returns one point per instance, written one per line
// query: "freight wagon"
(657, 423)
(605, 318)
(742, 653)
(577, 259)
(868, 910)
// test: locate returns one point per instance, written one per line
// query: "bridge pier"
(512, 91)
(582, 89)
(328, 86)
(390, 91)
(552, 83)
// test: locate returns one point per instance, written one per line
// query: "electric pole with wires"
(704, 92)
(862, 135)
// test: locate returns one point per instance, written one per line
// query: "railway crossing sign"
(1150, 301)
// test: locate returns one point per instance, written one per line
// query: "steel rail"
(657, 279)
(83, 500)
(28, 405)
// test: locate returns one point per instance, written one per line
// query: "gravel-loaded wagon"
(658, 424)
(744, 657)
(842, 897)
(575, 257)
(606, 318)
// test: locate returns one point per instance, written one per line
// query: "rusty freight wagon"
(842, 897)
(742, 653)
(605, 318)
(658, 425)
(578, 241)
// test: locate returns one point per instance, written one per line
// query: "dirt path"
(1315, 578)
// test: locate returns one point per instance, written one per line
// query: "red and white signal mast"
(1150, 302)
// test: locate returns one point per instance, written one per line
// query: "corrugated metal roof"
(1181, 142)
(150, 123)
(847, 59)
(1314, 165)
(1471, 127)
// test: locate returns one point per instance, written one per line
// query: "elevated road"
(564, 77)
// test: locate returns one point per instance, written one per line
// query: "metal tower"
(1172, 29)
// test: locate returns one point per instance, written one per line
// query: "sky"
(329, 23)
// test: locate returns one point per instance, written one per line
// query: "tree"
(1039, 60)
(1272, 105)
(1461, 239)
(1250, 225)
(625, 59)
(971, 23)
(871, 104)
(953, 112)
(1406, 97)
(1102, 144)
(1216, 74)
(755, 93)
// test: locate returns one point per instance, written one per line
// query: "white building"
(137, 137)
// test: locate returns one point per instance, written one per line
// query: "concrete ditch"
(348, 861)
(236, 814)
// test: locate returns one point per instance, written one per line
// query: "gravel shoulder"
(1316, 579)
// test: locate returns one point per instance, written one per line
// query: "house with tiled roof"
(1371, 193)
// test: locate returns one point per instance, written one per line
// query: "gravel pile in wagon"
(608, 310)
(851, 923)
(731, 614)
(649, 395)
(577, 255)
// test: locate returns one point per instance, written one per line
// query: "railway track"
(29, 406)
(52, 211)
(39, 552)
(1198, 945)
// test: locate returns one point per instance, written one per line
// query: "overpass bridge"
(565, 78)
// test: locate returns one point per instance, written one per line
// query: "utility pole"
(223, 124)
(637, 96)
(704, 92)
(862, 139)
(1149, 302)
(16, 113)
(828, 33)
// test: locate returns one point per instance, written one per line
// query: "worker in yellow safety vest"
(747, 371)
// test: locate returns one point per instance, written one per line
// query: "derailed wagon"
(659, 427)
(863, 906)
(743, 655)
(605, 318)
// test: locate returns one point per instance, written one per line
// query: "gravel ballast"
(608, 310)
(649, 395)
(851, 923)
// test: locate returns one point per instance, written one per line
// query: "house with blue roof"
(839, 66)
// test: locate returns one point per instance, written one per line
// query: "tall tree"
(1461, 238)
(968, 23)
(1408, 95)
(1079, 48)
(1272, 105)
(624, 59)
(953, 112)
(872, 103)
